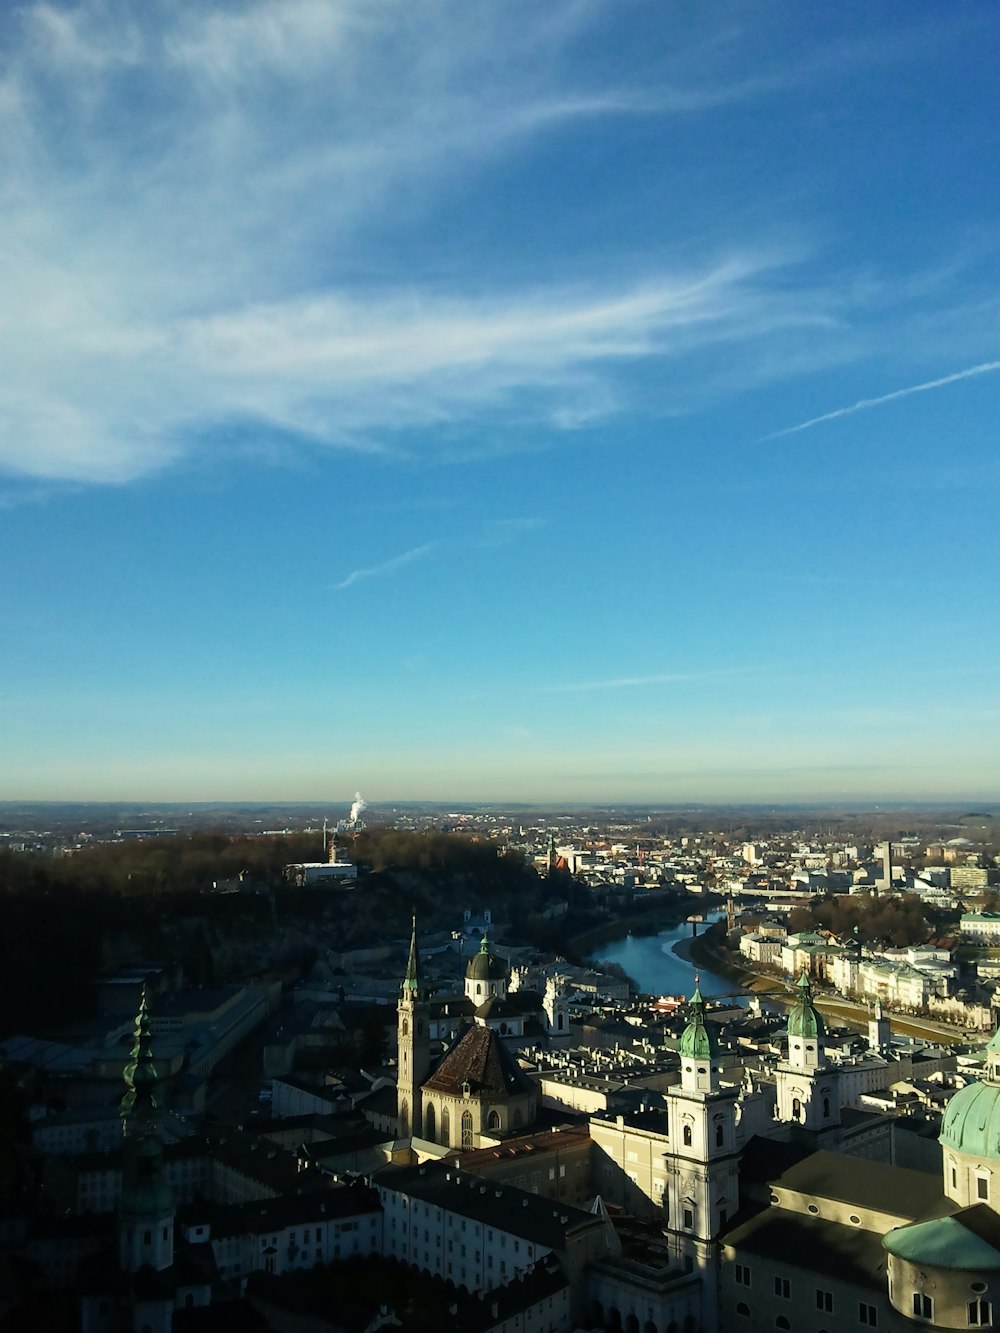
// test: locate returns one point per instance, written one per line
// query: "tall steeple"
(413, 1043)
(411, 986)
(146, 1206)
(141, 1100)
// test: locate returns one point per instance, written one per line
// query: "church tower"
(879, 1036)
(413, 1044)
(806, 1082)
(702, 1189)
(146, 1209)
(556, 1009)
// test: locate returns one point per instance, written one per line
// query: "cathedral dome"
(486, 966)
(804, 1019)
(972, 1121)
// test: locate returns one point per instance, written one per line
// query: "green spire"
(411, 981)
(698, 1041)
(804, 1019)
(141, 1100)
(484, 946)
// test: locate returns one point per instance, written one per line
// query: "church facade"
(477, 1092)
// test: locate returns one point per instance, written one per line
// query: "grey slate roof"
(502, 1206)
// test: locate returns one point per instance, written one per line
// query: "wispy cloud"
(386, 567)
(864, 404)
(495, 532)
(640, 682)
(194, 202)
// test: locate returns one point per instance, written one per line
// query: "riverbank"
(852, 1013)
(650, 922)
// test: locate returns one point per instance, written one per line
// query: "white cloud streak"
(194, 211)
(864, 404)
(641, 682)
(386, 567)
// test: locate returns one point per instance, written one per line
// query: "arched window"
(445, 1126)
(429, 1123)
(559, 1025)
(517, 1118)
(719, 1135)
(466, 1129)
(493, 1120)
(420, 1027)
(782, 1321)
(403, 1116)
(796, 1109)
(743, 1309)
(405, 1027)
(479, 988)
(826, 1108)
(687, 1136)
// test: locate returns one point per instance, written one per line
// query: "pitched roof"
(851, 1254)
(479, 1058)
(505, 1207)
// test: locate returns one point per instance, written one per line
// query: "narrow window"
(687, 1136)
(923, 1306)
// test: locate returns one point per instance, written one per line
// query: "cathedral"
(477, 1093)
(788, 1206)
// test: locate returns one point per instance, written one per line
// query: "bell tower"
(805, 1081)
(879, 1033)
(413, 1043)
(702, 1190)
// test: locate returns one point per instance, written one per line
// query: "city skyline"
(499, 402)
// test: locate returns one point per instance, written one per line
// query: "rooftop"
(502, 1206)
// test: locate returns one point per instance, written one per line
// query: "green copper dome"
(485, 966)
(804, 1019)
(972, 1121)
(698, 1041)
(944, 1242)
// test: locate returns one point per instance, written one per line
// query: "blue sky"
(508, 401)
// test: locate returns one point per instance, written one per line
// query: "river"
(656, 969)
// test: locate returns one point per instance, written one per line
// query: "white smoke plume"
(357, 807)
